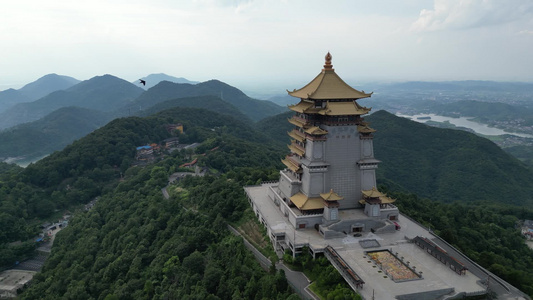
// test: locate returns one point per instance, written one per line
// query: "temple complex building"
(331, 165)
(326, 202)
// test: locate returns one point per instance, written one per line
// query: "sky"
(274, 44)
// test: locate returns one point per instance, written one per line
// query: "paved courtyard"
(11, 280)
(436, 276)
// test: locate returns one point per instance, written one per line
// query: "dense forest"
(448, 165)
(134, 243)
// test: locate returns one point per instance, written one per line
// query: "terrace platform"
(437, 280)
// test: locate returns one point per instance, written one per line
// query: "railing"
(346, 271)
(489, 274)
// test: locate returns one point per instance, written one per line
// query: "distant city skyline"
(277, 44)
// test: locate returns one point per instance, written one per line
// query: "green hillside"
(136, 244)
(276, 127)
(50, 133)
(103, 93)
(253, 108)
(212, 103)
(47, 84)
(447, 165)
(11, 97)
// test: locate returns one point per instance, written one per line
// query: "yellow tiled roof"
(349, 108)
(316, 131)
(305, 203)
(328, 85)
(331, 196)
(374, 193)
(365, 129)
(295, 134)
(291, 165)
(383, 200)
(296, 149)
(298, 122)
(302, 106)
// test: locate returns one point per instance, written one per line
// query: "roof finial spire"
(328, 65)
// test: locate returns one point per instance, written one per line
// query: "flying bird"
(143, 82)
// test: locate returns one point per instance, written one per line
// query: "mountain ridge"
(105, 93)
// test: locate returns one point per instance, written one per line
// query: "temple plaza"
(326, 201)
(436, 278)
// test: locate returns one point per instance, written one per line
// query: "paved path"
(165, 193)
(297, 279)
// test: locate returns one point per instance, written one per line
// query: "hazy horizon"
(268, 44)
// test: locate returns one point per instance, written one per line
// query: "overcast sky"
(267, 43)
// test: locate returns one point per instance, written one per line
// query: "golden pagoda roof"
(383, 200)
(331, 196)
(296, 149)
(316, 131)
(350, 108)
(328, 85)
(374, 193)
(295, 134)
(291, 165)
(302, 106)
(305, 203)
(365, 129)
(298, 122)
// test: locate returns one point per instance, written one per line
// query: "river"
(463, 122)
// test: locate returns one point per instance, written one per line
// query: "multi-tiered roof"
(326, 99)
(328, 85)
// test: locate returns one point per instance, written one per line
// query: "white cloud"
(526, 32)
(464, 14)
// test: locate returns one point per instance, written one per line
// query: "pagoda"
(331, 161)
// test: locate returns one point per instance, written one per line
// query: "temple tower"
(331, 158)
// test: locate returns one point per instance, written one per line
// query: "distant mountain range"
(51, 133)
(464, 85)
(108, 97)
(103, 93)
(35, 90)
(153, 79)
(252, 108)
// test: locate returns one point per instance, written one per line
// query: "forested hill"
(91, 165)
(35, 90)
(134, 243)
(447, 165)
(165, 90)
(51, 133)
(47, 84)
(212, 103)
(104, 93)
(277, 127)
